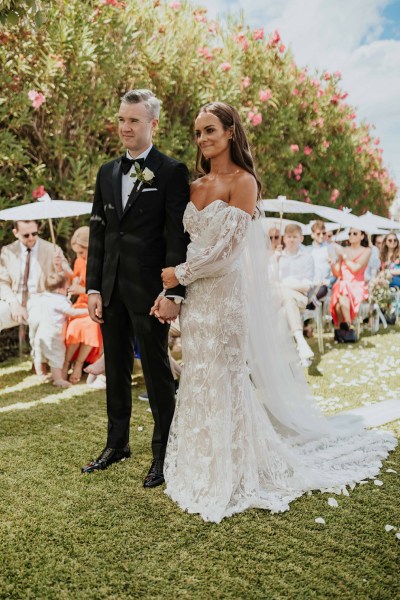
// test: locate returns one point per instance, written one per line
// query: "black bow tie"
(128, 162)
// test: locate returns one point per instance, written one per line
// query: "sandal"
(76, 374)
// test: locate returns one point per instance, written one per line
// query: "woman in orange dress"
(350, 289)
(83, 336)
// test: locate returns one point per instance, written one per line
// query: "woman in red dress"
(83, 336)
(350, 289)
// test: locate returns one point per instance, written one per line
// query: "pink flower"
(246, 81)
(297, 177)
(205, 53)
(241, 39)
(338, 74)
(225, 66)
(295, 92)
(303, 105)
(265, 95)
(352, 116)
(344, 95)
(301, 77)
(335, 99)
(335, 195)
(294, 147)
(276, 38)
(320, 93)
(327, 76)
(175, 5)
(37, 98)
(377, 142)
(258, 34)
(307, 150)
(298, 170)
(213, 27)
(257, 119)
(38, 192)
(282, 48)
(326, 144)
(308, 200)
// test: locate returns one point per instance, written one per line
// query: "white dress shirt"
(33, 269)
(127, 181)
(297, 267)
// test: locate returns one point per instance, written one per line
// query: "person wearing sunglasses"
(390, 258)
(275, 238)
(24, 267)
(350, 288)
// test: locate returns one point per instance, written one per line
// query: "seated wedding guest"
(374, 263)
(24, 266)
(322, 267)
(296, 271)
(274, 237)
(329, 237)
(53, 310)
(390, 258)
(350, 288)
(83, 337)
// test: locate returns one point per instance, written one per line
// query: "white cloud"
(341, 35)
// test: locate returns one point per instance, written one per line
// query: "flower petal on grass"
(390, 471)
(389, 528)
(140, 428)
(320, 520)
(378, 482)
(397, 536)
(333, 503)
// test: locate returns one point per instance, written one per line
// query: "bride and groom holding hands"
(233, 441)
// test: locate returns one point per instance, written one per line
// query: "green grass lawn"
(65, 535)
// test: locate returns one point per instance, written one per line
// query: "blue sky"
(360, 38)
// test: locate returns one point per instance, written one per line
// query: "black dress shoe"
(155, 476)
(107, 458)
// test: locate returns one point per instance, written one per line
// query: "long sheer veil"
(275, 370)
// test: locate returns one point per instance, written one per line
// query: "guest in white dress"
(51, 318)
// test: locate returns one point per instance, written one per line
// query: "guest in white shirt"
(296, 271)
(322, 265)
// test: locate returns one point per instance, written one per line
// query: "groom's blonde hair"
(150, 101)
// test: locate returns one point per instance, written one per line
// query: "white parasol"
(46, 208)
(380, 222)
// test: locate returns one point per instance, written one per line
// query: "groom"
(136, 230)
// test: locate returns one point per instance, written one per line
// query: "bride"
(246, 431)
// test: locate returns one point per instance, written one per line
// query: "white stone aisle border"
(25, 366)
(27, 383)
(76, 390)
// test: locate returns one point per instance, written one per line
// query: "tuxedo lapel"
(152, 162)
(117, 187)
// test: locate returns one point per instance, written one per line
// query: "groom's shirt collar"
(143, 155)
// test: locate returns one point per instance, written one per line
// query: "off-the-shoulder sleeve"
(216, 249)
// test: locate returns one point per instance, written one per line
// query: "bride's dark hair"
(240, 148)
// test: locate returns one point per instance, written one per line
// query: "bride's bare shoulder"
(244, 193)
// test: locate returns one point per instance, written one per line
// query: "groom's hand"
(165, 310)
(95, 307)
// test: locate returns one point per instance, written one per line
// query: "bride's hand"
(168, 278)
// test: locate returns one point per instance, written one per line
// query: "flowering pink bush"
(307, 150)
(294, 147)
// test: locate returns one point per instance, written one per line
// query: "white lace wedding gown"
(246, 432)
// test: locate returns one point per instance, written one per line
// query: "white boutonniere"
(145, 176)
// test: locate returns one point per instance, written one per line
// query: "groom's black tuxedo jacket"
(140, 240)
